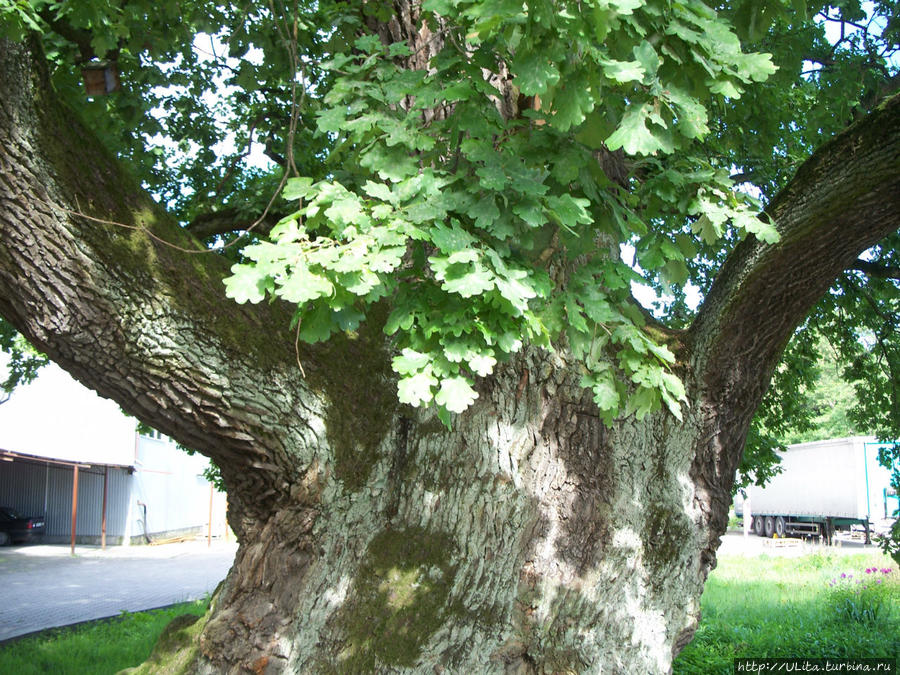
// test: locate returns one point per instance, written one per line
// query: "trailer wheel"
(757, 526)
(780, 527)
(770, 526)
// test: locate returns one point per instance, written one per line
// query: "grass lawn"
(753, 607)
(801, 607)
(95, 648)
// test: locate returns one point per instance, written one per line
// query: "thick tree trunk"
(529, 539)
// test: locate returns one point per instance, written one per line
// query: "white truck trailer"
(824, 486)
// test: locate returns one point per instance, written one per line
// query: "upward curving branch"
(97, 276)
(843, 200)
(140, 321)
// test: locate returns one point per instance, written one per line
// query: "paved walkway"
(44, 587)
(735, 543)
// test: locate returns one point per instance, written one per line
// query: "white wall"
(171, 484)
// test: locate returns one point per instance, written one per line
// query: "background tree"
(459, 443)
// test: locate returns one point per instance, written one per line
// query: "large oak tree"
(453, 442)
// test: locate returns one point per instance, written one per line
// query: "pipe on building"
(144, 521)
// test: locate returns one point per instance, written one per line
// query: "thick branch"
(229, 220)
(140, 321)
(843, 200)
(874, 269)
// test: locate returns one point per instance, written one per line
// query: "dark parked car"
(14, 527)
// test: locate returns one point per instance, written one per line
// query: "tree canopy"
(437, 407)
(482, 173)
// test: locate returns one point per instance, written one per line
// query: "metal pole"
(209, 529)
(748, 514)
(103, 524)
(74, 503)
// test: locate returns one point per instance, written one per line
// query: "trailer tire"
(770, 527)
(780, 527)
(758, 526)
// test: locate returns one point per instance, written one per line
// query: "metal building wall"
(90, 505)
(41, 488)
(23, 487)
(167, 481)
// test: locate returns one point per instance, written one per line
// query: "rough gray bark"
(530, 539)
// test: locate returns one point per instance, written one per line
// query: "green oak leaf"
(302, 286)
(316, 324)
(569, 211)
(416, 389)
(456, 394)
(763, 229)
(691, 115)
(647, 57)
(451, 239)
(379, 191)
(626, 6)
(297, 188)
(535, 73)
(623, 71)
(481, 364)
(633, 136)
(755, 66)
(572, 104)
(247, 284)
(606, 396)
(466, 280)
(409, 361)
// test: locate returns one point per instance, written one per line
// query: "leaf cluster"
(470, 192)
(23, 363)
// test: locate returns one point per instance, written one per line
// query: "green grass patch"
(777, 607)
(95, 648)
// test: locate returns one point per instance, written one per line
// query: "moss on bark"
(175, 650)
(397, 602)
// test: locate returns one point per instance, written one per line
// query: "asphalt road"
(44, 586)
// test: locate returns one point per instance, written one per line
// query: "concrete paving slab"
(736, 543)
(46, 587)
